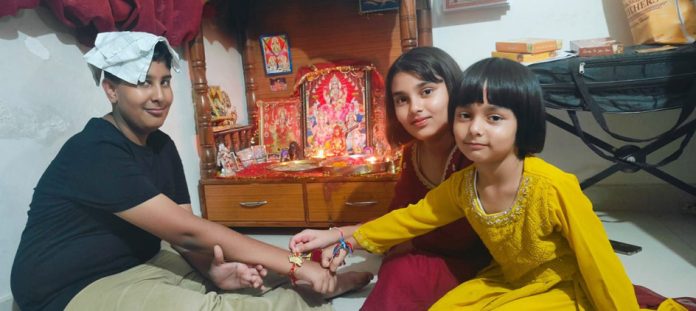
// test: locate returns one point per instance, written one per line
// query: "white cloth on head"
(126, 55)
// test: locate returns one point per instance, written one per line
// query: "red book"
(596, 47)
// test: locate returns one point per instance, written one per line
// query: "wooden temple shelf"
(298, 201)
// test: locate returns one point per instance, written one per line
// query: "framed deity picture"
(278, 124)
(370, 6)
(335, 107)
(275, 52)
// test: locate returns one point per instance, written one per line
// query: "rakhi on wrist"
(296, 259)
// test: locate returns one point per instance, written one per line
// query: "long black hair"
(428, 64)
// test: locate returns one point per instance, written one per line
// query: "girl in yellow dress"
(549, 249)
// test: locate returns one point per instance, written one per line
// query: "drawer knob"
(362, 203)
(253, 203)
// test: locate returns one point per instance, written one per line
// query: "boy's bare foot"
(348, 282)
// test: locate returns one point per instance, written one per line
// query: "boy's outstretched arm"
(162, 217)
(225, 275)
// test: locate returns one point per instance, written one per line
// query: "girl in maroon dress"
(417, 273)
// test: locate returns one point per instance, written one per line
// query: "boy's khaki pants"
(168, 282)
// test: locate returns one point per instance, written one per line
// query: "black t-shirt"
(72, 236)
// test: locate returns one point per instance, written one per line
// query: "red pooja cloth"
(261, 171)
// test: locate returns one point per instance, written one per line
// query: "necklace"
(118, 127)
(522, 184)
(418, 167)
(113, 121)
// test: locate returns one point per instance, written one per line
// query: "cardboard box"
(596, 47)
(524, 57)
(529, 45)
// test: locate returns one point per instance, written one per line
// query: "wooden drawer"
(255, 202)
(348, 202)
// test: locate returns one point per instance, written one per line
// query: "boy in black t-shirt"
(101, 208)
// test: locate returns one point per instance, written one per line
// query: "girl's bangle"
(343, 245)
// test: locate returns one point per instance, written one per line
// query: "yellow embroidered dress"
(549, 249)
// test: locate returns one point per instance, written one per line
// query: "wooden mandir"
(337, 32)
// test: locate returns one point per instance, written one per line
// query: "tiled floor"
(667, 263)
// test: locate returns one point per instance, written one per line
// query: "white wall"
(224, 67)
(47, 95)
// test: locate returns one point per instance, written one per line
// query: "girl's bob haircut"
(428, 64)
(509, 85)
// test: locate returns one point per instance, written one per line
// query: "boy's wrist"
(297, 260)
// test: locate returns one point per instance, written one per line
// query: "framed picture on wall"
(370, 6)
(275, 52)
(278, 84)
(455, 5)
(278, 126)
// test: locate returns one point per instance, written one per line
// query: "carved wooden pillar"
(407, 23)
(199, 83)
(248, 63)
(425, 23)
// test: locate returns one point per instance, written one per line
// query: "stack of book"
(596, 47)
(527, 50)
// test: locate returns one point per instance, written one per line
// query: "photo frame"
(223, 113)
(278, 84)
(456, 5)
(336, 114)
(275, 52)
(278, 126)
(371, 6)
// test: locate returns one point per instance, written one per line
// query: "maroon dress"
(441, 260)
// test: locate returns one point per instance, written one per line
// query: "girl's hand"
(332, 261)
(321, 280)
(310, 239)
(234, 275)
